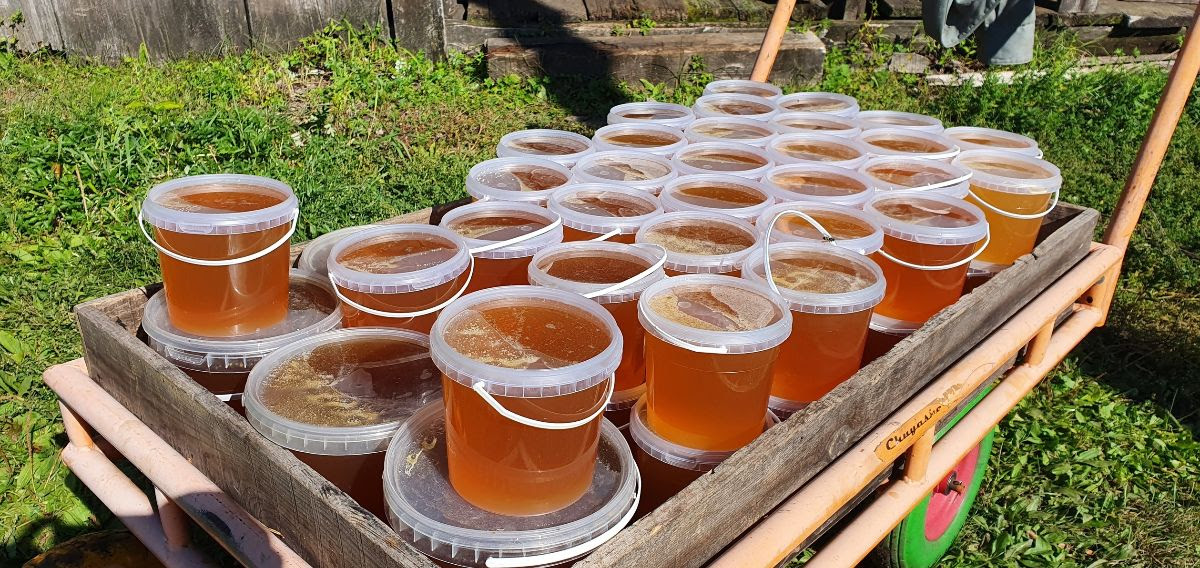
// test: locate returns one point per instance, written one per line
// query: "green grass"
(1099, 465)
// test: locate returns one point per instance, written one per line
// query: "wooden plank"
(510, 14)
(112, 29)
(419, 25)
(40, 25)
(706, 516)
(279, 24)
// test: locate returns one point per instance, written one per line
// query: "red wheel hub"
(949, 495)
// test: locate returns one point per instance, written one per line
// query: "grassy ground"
(1098, 467)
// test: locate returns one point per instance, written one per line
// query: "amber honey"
(1012, 238)
(732, 131)
(654, 114)
(692, 241)
(591, 211)
(907, 145)
(722, 161)
(815, 104)
(815, 183)
(641, 139)
(718, 195)
(817, 151)
(494, 227)
(660, 481)
(739, 108)
(556, 147)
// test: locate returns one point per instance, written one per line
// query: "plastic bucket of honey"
(558, 146)
(652, 138)
(523, 180)
(503, 237)
(729, 129)
(831, 292)
(336, 399)
(700, 242)
(908, 143)
(729, 158)
(869, 119)
(734, 104)
(822, 184)
(1015, 193)
(928, 241)
(815, 123)
(847, 227)
(222, 246)
(826, 103)
(665, 114)
(315, 257)
(901, 174)
(883, 336)
(603, 212)
(526, 371)
(399, 275)
(629, 168)
(743, 87)
(428, 514)
(222, 364)
(731, 195)
(816, 149)
(618, 409)
(974, 138)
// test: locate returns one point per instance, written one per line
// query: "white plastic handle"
(418, 313)
(228, 262)
(501, 244)
(659, 333)
(957, 264)
(940, 184)
(607, 235)
(767, 243)
(619, 285)
(1011, 215)
(481, 388)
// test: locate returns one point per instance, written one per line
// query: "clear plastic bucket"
(743, 87)
(822, 184)
(503, 237)
(558, 146)
(732, 195)
(629, 168)
(222, 364)
(815, 123)
(827, 103)
(700, 242)
(599, 211)
(819, 149)
(399, 275)
(666, 114)
(733, 104)
(526, 371)
(831, 292)
(849, 228)
(908, 143)
(618, 409)
(336, 399)
(711, 346)
(523, 180)
(729, 158)
(222, 246)
(975, 138)
(1015, 193)
(651, 138)
(928, 241)
(315, 257)
(899, 173)
(869, 119)
(729, 129)
(883, 336)
(428, 514)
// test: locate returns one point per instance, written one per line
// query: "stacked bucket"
(687, 275)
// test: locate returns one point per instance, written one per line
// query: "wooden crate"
(329, 529)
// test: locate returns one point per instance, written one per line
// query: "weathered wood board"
(278, 24)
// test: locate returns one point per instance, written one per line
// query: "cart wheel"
(922, 538)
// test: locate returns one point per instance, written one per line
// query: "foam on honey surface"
(548, 146)
(220, 198)
(745, 90)
(817, 105)
(906, 144)
(654, 114)
(395, 254)
(840, 226)
(497, 226)
(732, 131)
(722, 160)
(738, 108)
(608, 205)
(813, 124)
(527, 335)
(819, 151)
(1004, 168)
(523, 178)
(354, 382)
(641, 139)
(818, 183)
(909, 175)
(719, 196)
(896, 121)
(814, 275)
(628, 170)
(985, 140)
(926, 213)
(308, 297)
(700, 237)
(597, 268)
(715, 307)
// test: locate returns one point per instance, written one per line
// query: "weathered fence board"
(277, 24)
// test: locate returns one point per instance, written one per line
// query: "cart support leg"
(1037, 347)
(918, 457)
(174, 521)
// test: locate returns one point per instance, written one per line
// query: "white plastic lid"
(869, 119)
(544, 376)
(555, 145)
(834, 280)
(1010, 172)
(927, 217)
(526, 180)
(624, 400)
(312, 309)
(741, 316)
(909, 143)
(164, 208)
(629, 168)
(893, 327)
(315, 257)
(729, 129)
(975, 138)
(743, 87)
(802, 148)
(819, 183)
(666, 114)
(398, 273)
(900, 173)
(674, 454)
(427, 512)
(722, 158)
(851, 228)
(602, 208)
(586, 279)
(816, 123)
(652, 138)
(484, 223)
(828, 103)
(733, 104)
(740, 197)
(351, 401)
(700, 242)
